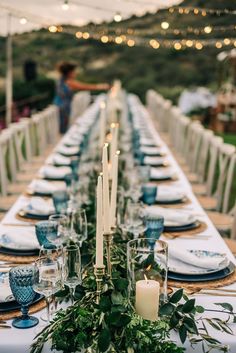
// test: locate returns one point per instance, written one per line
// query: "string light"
(218, 45)
(208, 29)
(154, 44)
(131, 43)
(198, 46)
(189, 43)
(165, 25)
(52, 29)
(118, 40)
(118, 17)
(227, 41)
(79, 35)
(23, 20)
(104, 39)
(85, 35)
(177, 46)
(65, 6)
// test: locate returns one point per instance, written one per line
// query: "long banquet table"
(14, 340)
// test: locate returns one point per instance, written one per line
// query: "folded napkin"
(22, 239)
(169, 194)
(5, 292)
(45, 187)
(49, 171)
(39, 206)
(147, 142)
(171, 217)
(161, 173)
(187, 257)
(60, 160)
(151, 151)
(154, 160)
(67, 151)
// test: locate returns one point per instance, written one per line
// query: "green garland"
(113, 326)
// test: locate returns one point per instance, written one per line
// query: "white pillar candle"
(99, 225)
(102, 124)
(114, 189)
(105, 191)
(147, 299)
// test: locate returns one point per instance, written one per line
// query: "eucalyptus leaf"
(177, 296)
(188, 306)
(226, 306)
(104, 340)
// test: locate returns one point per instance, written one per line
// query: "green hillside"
(139, 68)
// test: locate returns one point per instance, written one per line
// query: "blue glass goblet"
(149, 194)
(60, 200)
(154, 228)
(21, 281)
(46, 230)
(74, 165)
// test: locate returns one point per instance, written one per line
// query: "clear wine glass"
(134, 218)
(63, 224)
(79, 226)
(72, 269)
(48, 281)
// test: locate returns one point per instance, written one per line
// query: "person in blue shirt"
(65, 87)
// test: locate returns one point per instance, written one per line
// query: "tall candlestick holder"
(99, 272)
(108, 241)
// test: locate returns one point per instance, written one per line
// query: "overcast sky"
(50, 11)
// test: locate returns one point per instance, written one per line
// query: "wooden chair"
(7, 161)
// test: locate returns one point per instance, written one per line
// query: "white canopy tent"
(24, 15)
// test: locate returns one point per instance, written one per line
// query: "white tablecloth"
(19, 341)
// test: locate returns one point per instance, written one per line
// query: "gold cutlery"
(4, 326)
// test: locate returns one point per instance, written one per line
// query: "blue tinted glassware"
(60, 200)
(74, 165)
(154, 227)
(21, 281)
(149, 194)
(45, 230)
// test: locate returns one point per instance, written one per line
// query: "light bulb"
(165, 25)
(23, 21)
(65, 5)
(117, 17)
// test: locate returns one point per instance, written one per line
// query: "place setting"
(167, 196)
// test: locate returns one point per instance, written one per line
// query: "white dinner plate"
(183, 268)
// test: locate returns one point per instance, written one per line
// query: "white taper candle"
(99, 225)
(105, 189)
(102, 124)
(114, 189)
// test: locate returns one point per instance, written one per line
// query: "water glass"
(79, 227)
(134, 218)
(22, 280)
(144, 173)
(147, 272)
(154, 226)
(63, 224)
(72, 269)
(46, 230)
(49, 280)
(60, 200)
(74, 165)
(149, 194)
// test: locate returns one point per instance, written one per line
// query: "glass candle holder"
(149, 194)
(147, 272)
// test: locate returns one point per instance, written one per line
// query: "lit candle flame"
(146, 279)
